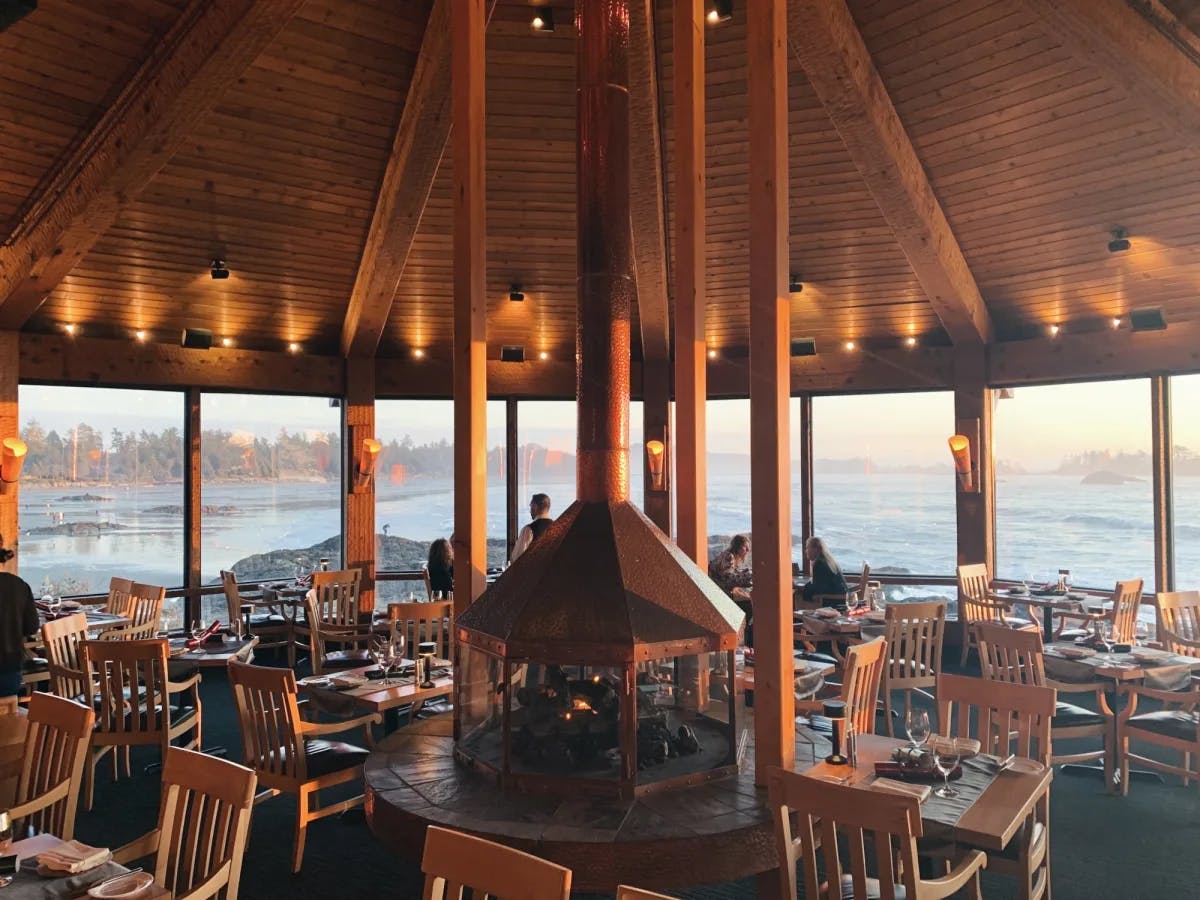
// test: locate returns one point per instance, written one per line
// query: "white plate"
(124, 888)
(315, 681)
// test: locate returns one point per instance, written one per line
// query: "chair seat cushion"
(267, 620)
(326, 757)
(1167, 722)
(824, 658)
(1021, 624)
(1068, 715)
(35, 664)
(346, 659)
(181, 714)
(874, 890)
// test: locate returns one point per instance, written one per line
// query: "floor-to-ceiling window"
(545, 454)
(883, 482)
(1185, 433)
(102, 489)
(1073, 483)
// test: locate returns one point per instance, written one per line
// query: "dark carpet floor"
(1144, 846)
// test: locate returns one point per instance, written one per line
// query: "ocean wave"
(1096, 521)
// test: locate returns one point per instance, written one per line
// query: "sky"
(1035, 428)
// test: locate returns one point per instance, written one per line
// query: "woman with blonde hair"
(827, 575)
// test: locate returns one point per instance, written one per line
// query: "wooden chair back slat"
(119, 590)
(143, 606)
(56, 747)
(131, 680)
(265, 699)
(1127, 600)
(336, 596)
(424, 622)
(203, 822)
(973, 603)
(454, 862)
(1009, 655)
(1009, 718)
(233, 598)
(62, 638)
(913, 632)
(860, 687)
(1179, 621)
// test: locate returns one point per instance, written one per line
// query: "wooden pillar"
(468, 21)
(9, 427)
(807, 526)
(973, 415)
(1164, 483)
(192, 505)
(770, 387)
(656, 426)
(512, 472)
(691, 375)
(358, 509)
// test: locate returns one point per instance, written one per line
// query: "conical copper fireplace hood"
(603, 584)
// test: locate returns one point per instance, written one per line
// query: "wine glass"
(378, 648)
(946, 753)
(1141, 631)
(394, 651)
(55, 606)
(917, 725)
(196, 631)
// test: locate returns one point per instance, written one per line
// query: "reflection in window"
(1185, 434)
(102, 489)
(1073, 483)
(883, 482)
(545, 454)
(270, 475)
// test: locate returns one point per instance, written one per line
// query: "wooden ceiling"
(1033, 148)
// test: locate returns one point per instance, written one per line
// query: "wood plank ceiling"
(1033, 153)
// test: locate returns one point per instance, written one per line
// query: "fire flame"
(577, 703)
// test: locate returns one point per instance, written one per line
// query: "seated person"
(827, 575)
(441, 567)
(729, 570)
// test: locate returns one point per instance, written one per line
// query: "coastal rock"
(1104, 476)
(174, 509)
(84, 498)
(78, 529)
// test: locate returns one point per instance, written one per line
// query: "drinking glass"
(55, 605)
(378, 648)
(197, 630)
(917, 725)
(394, 651)
(6, 831)
(437, 595)
(946, 753)
(1141, 631)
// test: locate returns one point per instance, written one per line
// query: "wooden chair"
(1126, 601)
(625, 892)
(263, 620)
(975, 605)
(1016, 657)
(136, 702)
(913, 632)
(119, 590)
(1009, 718)
(424, 622)
(203, 824)
(332, 617)
(50, 769)
(61, 639)
(846, 599)
(282, 748)
(822, 809)
(454, 862)
(428, 583)
(860, 686)
(143, 605)
(1179, 622)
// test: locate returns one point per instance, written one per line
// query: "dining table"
(28, 885)
(1048, 601)
(402, 690)
(990, 808)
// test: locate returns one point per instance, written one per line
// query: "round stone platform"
(682, 837)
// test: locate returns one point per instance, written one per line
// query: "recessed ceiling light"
(219, 270)
(543, 355)
(227, 342)
(719, 11)
(141, 335)
(712, 354)
(1116, 322)
(850, 345)
(543, 19)
(910, 341)
(418, 353)
(1053, 330)
(70, 328)
(515, 294)
(293, 347)
(1120, 241)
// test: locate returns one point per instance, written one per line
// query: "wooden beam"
(838, 65)
(770, 457)
(691, 372)
(976, 511)
(470, 303)
(512, 471)
(807, 496)
(99, 361)
(9, 427)
(1099, 354)
(193, 505)
(646, 191)
(1142, 48)
(1162, 457)
(411, 168)
(358, 505)
(211, 44)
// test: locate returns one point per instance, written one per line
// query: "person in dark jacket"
(827, 575)
(539, 513)
(441, 566)
(18, 621)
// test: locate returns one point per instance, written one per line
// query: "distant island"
(1106, 477)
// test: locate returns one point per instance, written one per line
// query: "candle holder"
(835, 712)
(426, 650)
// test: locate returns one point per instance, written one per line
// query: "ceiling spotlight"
(795, 285)
(910, 341)
(219, 270)
(1053, 330)
(543, 355)
(1120, 241)
(515, 294)
(719, 11)
(141, 335)
(293, 347)
(1116, 322)
(712, 354)
(227, 342)
(70, 328)
(543, 18)
(418, 353)
(850, 345)
(514, 353)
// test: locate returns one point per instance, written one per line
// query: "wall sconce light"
(964, 448)
(12, 458)
(368, 456)
(655, 451)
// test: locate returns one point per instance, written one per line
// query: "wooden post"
(656, 426)
(9, 425)
(976, 512)
(691, 374)
(358, 508)
(512, 471)
(770, 381)
(807, 525)
(1162, 450)
(468, 22)
(192, 505)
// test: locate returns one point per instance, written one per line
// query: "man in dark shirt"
(18, 620)
(539, 512)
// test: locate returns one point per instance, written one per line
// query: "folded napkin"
(892, 786)
(73, 857)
